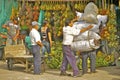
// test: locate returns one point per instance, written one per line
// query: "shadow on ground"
(114, 70)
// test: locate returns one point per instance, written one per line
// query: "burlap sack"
(90, 13)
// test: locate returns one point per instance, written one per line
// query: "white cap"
(35, 23)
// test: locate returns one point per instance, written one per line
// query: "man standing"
(36, 45)
(13, 30)
(90, 9)
(68, 56)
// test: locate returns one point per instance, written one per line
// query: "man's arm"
(39, 43)
(17, 34)
(3, 36)
(85, 29)
(50, 39)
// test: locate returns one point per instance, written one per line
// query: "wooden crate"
(14, 50)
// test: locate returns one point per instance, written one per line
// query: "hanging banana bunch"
(80, 6)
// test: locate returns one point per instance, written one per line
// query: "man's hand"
(75, 19)
(50, 44)
(4, 26)
(14, 39)
(39, 43)
(97, 42)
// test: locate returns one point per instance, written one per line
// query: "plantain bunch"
(103, 60)
(111, 27)
(53, 6)
(56, 56)
(79, 6)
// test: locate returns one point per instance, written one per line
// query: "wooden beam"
(54, 0)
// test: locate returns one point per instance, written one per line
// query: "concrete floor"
(18, 73)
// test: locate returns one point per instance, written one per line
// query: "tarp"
(41, 17)
(5, 11)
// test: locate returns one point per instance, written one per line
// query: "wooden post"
(105, 4)
(119, 3)
(100, 3)
(109, 4)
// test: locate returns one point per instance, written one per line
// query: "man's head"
(45, 23)
(35, 25)
(69, 22)
(15, 20)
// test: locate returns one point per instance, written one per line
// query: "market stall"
(56, 11)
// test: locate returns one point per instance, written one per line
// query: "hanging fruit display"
(79, 6)
(36, 12)
(111, 28)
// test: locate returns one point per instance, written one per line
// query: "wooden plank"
(14, 50)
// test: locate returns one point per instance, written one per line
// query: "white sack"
(84, 45)
(79, 14)
(83, 24)
(102, 18)
(90, 13)
(87, 35)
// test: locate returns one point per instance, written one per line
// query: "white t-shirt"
(68, 34)
(34, 36)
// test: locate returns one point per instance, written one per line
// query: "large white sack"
(90, 13)
(87, 35)
(83, 24)
(101, 18)
(86, 45)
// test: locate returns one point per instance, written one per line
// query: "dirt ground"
(18, 73)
